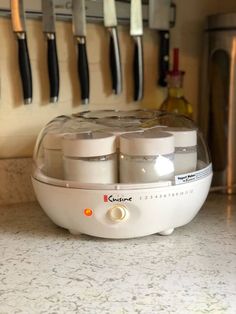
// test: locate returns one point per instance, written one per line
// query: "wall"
(215, 7)
(188, 36)
(19, 124)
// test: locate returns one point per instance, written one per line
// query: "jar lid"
(88, 144)
(184, 137)
(118, 131)
(53, 140)
(147, 143)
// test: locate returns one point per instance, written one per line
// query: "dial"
(118, 213)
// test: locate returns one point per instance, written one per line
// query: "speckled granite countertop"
(44, 269)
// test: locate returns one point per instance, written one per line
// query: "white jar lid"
(184, 137)
(53, 140)
(147, 143)
(88, 144)
(118, 131)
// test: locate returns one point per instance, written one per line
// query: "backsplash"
(15, 182)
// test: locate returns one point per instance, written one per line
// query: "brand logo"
(111, 198)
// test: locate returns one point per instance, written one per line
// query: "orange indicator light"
(88, 212)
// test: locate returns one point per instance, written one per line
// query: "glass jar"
(185, 159)
(146, 157)
(53, 164)
(90, 157)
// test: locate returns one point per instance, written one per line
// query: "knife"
(18, 24)
(136, 31)
(110, 21)
(163, 57)
(159, 19)
(79, 30)
(50, 33)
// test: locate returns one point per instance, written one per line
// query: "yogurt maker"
(121, 174)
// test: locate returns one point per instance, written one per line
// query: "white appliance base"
(122, 213)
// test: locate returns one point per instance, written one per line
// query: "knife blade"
(110, 22)
(159, 19)
(18, 25)
(48, 19)
(79, 30)
(136, 31)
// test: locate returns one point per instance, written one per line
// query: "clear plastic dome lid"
(127, 149)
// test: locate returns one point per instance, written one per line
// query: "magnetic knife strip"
(94, 10)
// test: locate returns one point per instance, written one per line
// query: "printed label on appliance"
(111, 198)
(193, 176)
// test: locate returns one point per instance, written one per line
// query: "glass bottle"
(175, 101)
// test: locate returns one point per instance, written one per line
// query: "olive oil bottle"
(175, 101)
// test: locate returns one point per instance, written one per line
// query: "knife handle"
(25, 68)
(83, 70)
(163, 57)
(115, 62)
(53, 70)
(138, 68)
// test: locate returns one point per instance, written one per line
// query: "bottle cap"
(175, 71)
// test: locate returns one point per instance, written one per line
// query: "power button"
(118, 213)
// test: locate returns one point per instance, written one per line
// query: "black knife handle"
(53, 69)
(115, 61)
(163, 57)
(25, 68)
(138, 69)
(83, 70)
